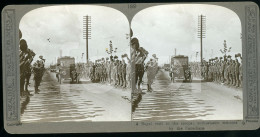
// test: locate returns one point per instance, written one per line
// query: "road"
(189, 101)
(85, 101)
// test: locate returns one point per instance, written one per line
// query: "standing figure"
(241, 74)
(151, 69)
(58, 72)
(128, 73)
(171, 73)
(114, 73)
(237, 64)
(37, 75)
(26, 58)
(41, 65)
(140, 56)
(118, 68)
(124, 73)
(28, 72)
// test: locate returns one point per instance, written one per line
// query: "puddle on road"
(161, 106)
(52, 105)
(174, 101)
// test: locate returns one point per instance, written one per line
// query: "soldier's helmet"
(23, 45)
(135, 42)
(41, 57)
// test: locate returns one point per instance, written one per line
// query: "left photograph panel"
(74, 65)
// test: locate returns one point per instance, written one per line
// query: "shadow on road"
(193, 81)
(81, 82)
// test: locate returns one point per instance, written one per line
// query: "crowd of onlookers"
(113, 71)
(220, 69)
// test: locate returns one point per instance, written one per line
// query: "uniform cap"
(136, 42)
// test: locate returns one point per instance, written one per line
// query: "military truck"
(67, 68)
(180, 68)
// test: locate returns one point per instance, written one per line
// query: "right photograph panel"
(187, 63)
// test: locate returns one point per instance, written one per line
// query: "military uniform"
(124, 74)
(26, 57)
(233, 73)
(240, 75)
(37, 75)
(237, 64)
(128, 74)
(227, 73)
(222, 71)
(114, 73)
(28, 72)
(151, 68)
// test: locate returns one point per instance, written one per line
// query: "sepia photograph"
(188, 63)
(74, 64)
(130, 67)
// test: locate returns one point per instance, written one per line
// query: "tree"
(225, 50)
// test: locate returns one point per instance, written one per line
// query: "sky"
(64, 26)
(161, 29)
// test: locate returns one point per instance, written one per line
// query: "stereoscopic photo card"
(130, 67)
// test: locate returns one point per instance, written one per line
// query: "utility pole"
(87, 32)
(201, 33)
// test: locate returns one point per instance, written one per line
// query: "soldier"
(104, 72)
(37, 75)
(151, 68)
(26, 57)
(92, 72)
(206, 70)
(203, 70)
(41, 65)
(107, 64)
(119, 71)
(218, 70)
(114, 73)
(240, 73)
(225, 69)
(232, 72)
(222, 68)
(237, 64)
(210, 73)
(123, 73)
(226, 72)
(58, 71)
(171, 73)
(139, 66)
(28, 72)
(128, 72)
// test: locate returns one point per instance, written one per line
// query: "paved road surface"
(189, 101)
(75, 102)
